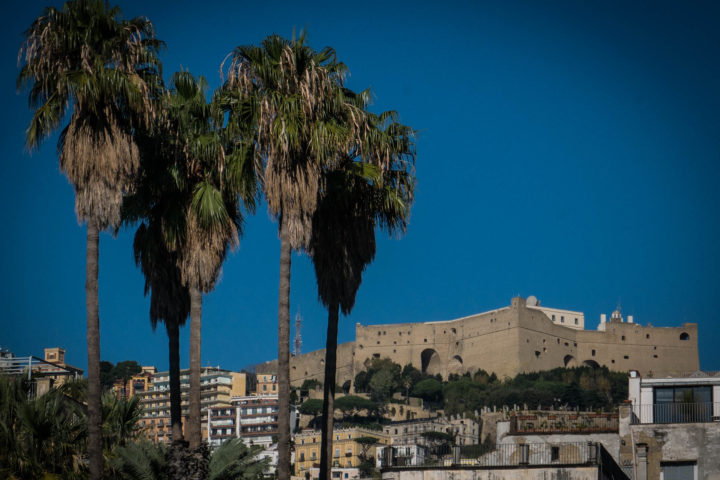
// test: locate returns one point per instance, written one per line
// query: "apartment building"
(410, 432)
(266, 384)
(671, 427)
(253, 418)
(218, 387)
(140, 382)
(348, 454)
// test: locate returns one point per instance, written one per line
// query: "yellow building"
(347, 452)
(217, 389)
(140, 382)
(56, 356)
(266, 384)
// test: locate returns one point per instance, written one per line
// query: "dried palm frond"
(204, 250)
(101, 183)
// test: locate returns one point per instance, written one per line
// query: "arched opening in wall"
(430, 361)
(346, 387)
(569, 361)
(684, 336)
(591, 363)
(455, 365)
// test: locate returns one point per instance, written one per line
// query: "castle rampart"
(507, 341)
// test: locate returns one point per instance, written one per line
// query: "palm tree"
(358, 196)
(155, 203)
(169, 303)
(192, 179)
(85, 60)
(288, 92)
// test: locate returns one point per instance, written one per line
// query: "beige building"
(347, 452)
(507, 341)
(410, 432)
(266, 384)
(140, 382)
(217, 389)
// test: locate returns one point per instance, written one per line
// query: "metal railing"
(676, 413)
(506, 455)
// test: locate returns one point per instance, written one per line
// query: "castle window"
(623, 338)
(567, 344)
(553, 318)
(400, 334)
(379, 333)
(376, 355)
(537, 353)
(426, 340)
(576, 321)
(592, 352)
(654, 356)
(562, 319)
(378, 342)
(626, 357)
(612, 361)
(684, 336)
(384, 333)
(453, 331)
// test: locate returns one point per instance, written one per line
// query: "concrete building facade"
(507, 341)
(671, 427)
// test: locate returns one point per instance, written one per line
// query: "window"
(576, 321)
(684, 336)
(554, 453)
(678, 470)
(592, 352)
(337, 452)
(562, 319)
(683, 404)
(623, 338)
(553, 318)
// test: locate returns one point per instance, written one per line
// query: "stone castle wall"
(507, 341)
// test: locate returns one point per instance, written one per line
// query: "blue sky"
(566, 149)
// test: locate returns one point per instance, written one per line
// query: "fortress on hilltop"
(522, 337)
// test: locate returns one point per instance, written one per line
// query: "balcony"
(703, 412)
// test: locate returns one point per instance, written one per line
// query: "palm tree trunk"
(283, 467)
(328, 417)
(95, 443)
(194, 427)
(173, 331)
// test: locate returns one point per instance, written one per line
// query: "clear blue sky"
(567, 149)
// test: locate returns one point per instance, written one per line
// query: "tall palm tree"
(358, 196)
(201, 220)
(85, 60)
(288, 91)
(169, 303)
(156, 204)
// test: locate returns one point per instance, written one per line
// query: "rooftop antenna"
(297, 344)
